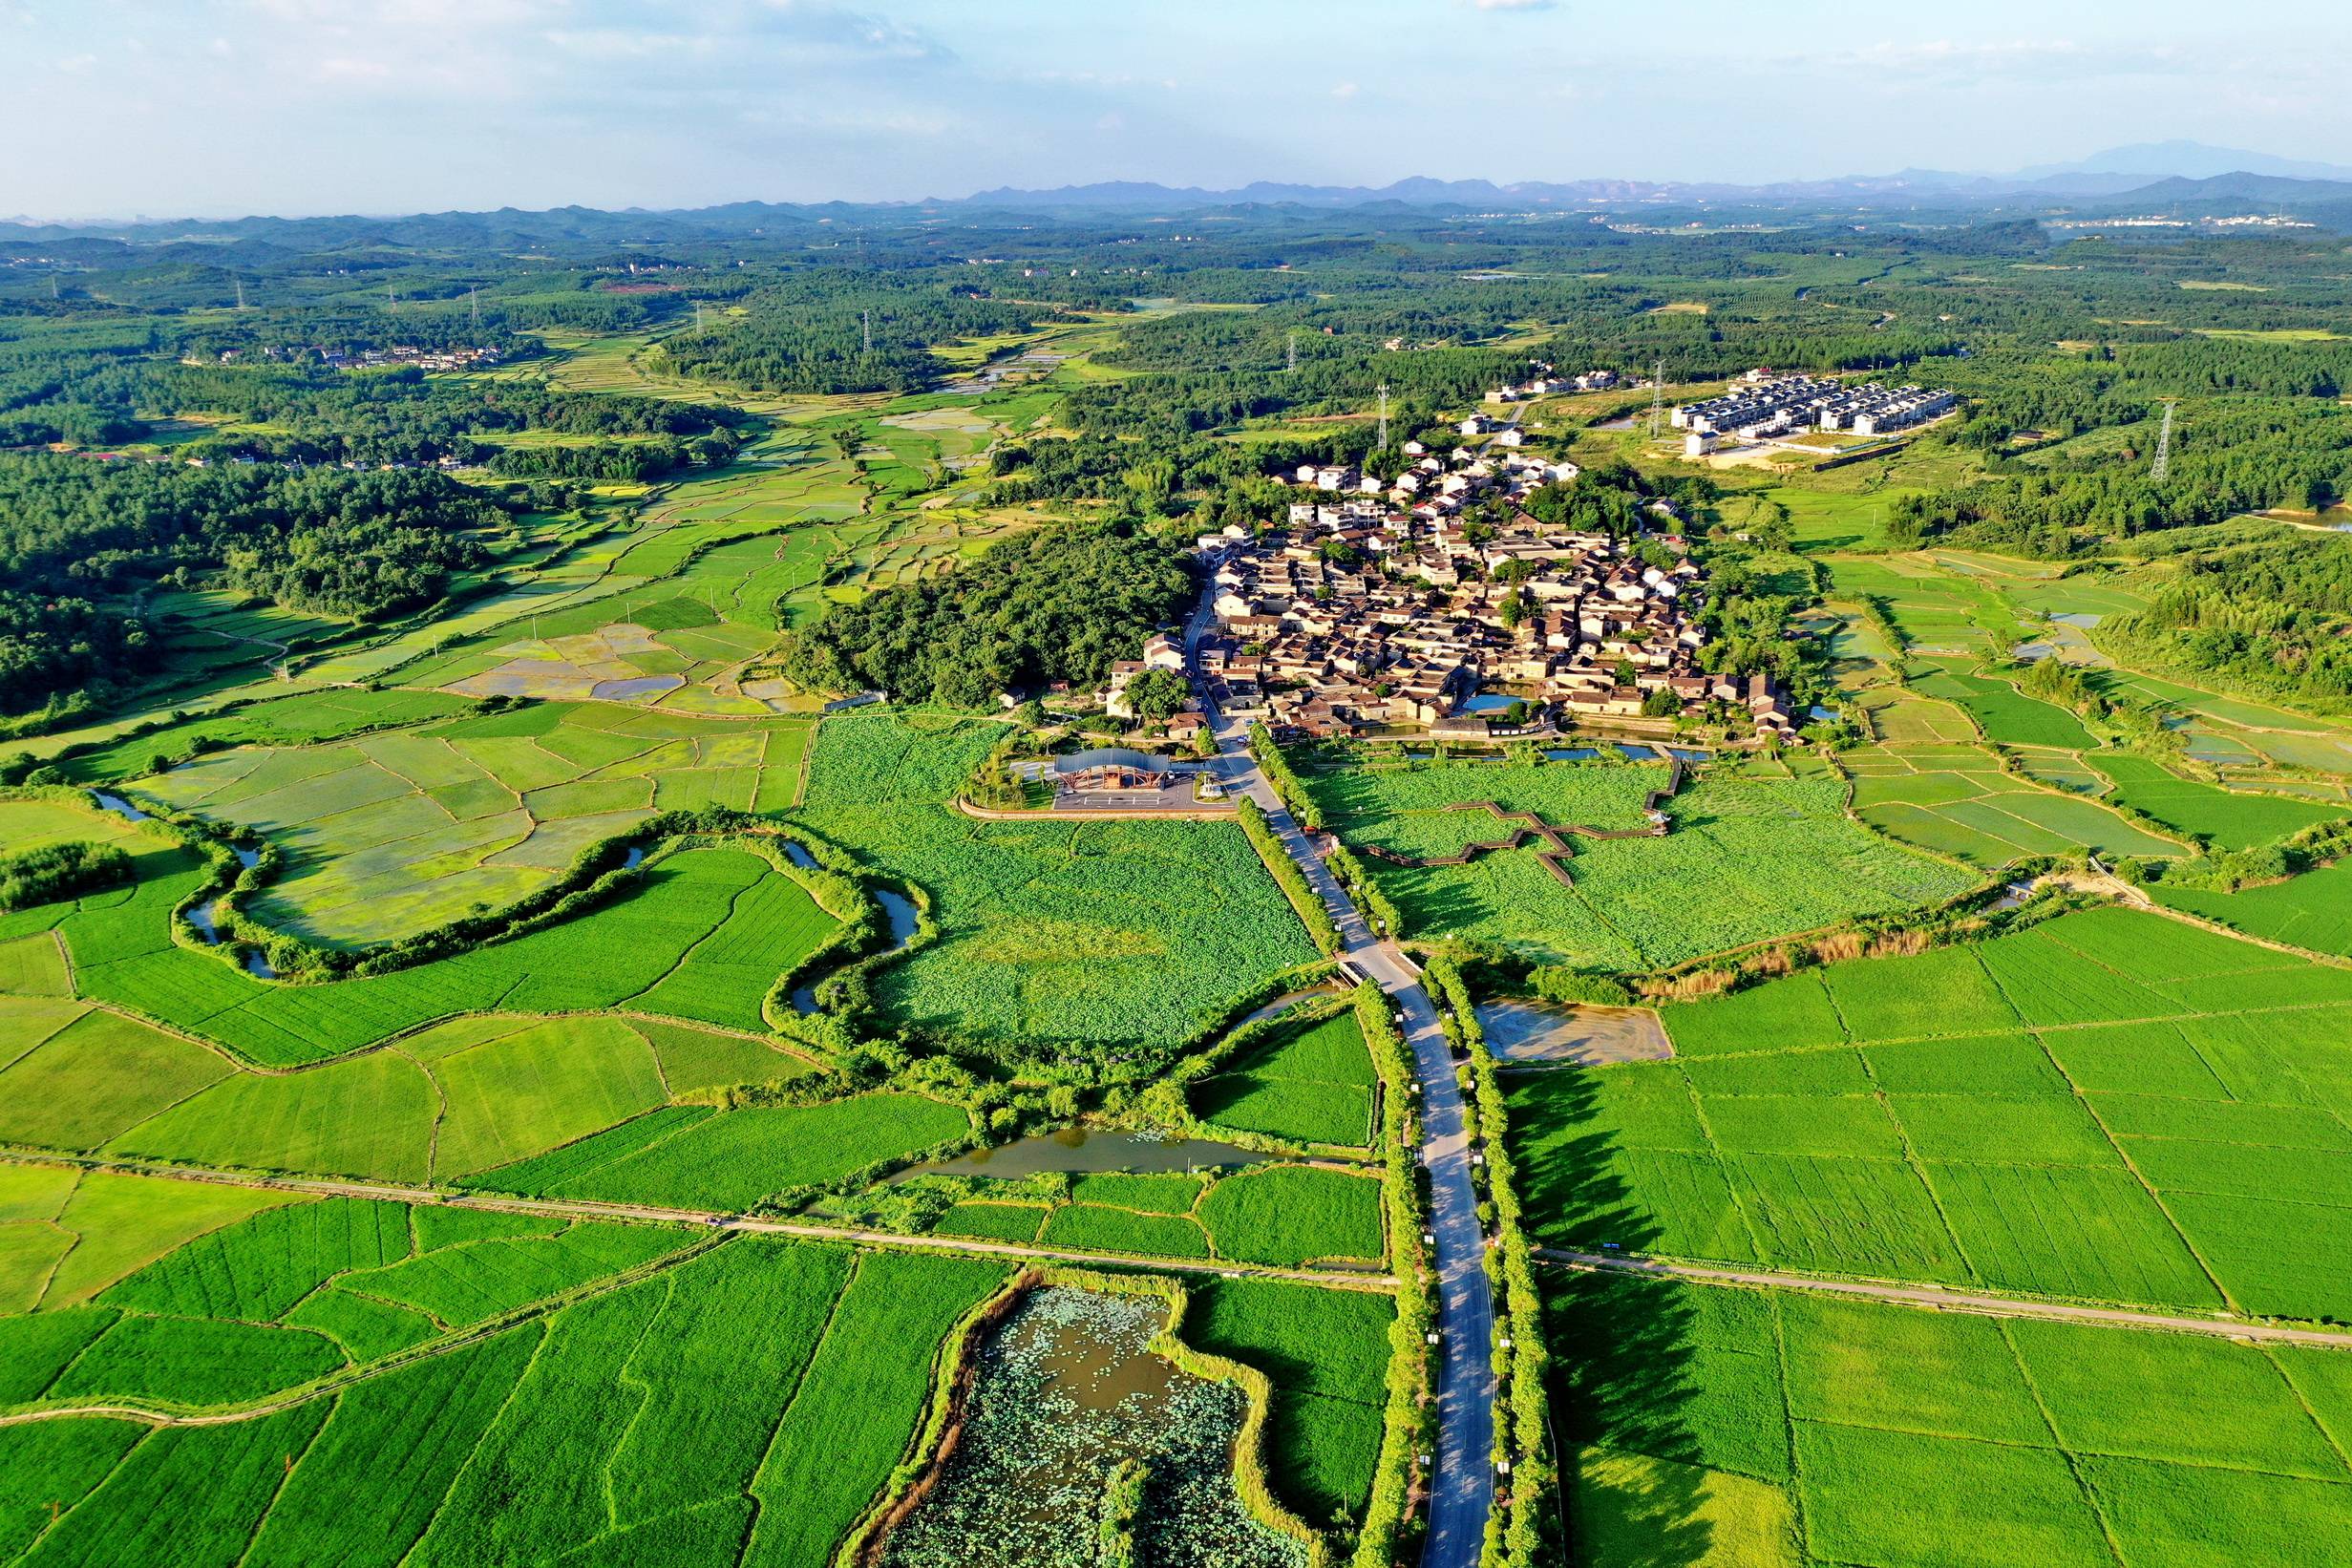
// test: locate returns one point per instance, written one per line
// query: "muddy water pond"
(1079, 1149)
(1592, 1036)
(1064, 1391)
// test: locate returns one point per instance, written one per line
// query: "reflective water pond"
(1079, 1149)
(1074, 1431)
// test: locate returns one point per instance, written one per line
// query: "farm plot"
(2228, 820)
(395, 832)
(1744, 859)
(307, 718)
(441, 1105)
(2006, 716)
(1314, 1086)
(1956, 800)
(1417, 810)
(2109, 1106)
(703, 936)
(627, 1419)
(1784, 1427)
(1282, 1215)
(1126, 936)
(2313, 910)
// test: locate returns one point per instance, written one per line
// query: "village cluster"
(1384, 606)
(1762, 407)
(376, 359)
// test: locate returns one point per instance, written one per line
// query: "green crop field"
(2109, 1106)
(1328, 1353)
(2228, 818)
(1956, 799)
(1744, 859)
(2006, 716)
(2313, 910)
(1105, 935)
(404, 830)
(683, 941)
(1314, 1086)
(638, 1419)
(1784, 1427)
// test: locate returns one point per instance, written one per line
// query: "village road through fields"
(1947, 1301)
(721, 1223)
(1462, 1488)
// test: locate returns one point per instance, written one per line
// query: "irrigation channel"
(1462, 1488)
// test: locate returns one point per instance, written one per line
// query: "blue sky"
(207, 107)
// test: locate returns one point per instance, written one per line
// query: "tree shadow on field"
(1622, 1349)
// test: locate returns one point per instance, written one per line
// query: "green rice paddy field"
(1746, 859)
(1765, 1428)
(1314, 1084)
(1955, 798)
(701, 937)
(2109, 1106)
(399, 831)
(1278, 1215)
(647, 1396)
(2312, 911)
(431, 1383)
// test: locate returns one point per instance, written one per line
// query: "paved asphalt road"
(1463, 1488)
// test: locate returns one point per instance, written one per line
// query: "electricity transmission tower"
(1658, 398)
(698, 315)
(865, 323)
(1383, 416)
(474, 304)
(1289, 369)
(240, 293)
(2164, 444)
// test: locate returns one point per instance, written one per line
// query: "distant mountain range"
(2116, 172)
(2183, 176)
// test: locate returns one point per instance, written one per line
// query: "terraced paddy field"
(394, 833)
(1746, 859)
(2226, 818)
(1116, 938)
(1955, 798)
(702, 938)
(1781, 1427)
(2110, 1106)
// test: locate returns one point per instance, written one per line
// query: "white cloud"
(1510, 5)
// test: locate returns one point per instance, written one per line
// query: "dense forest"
(1059, 604)
(838, 333)
(80, 537)
(2268, 615)
(318, 415)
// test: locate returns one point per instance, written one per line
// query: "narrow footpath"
(1462, 1491)
(651, 1214)
(1946, 1301)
